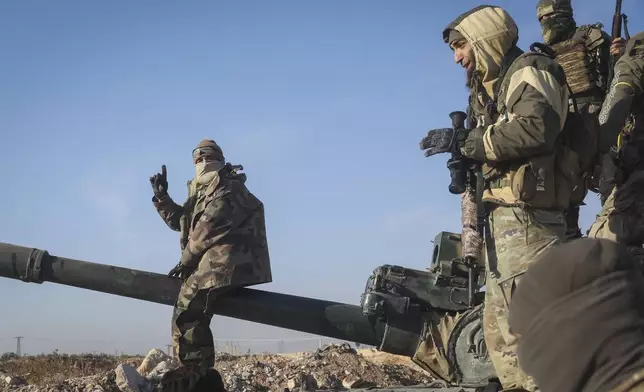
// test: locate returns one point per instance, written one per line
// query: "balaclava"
(559, 26)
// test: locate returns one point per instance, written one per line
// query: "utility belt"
(550, 181)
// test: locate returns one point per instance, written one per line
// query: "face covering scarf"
(205, 167)
(557, 28)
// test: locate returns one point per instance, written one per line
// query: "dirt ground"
(334, 367)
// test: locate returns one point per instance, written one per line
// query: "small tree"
(8, 356)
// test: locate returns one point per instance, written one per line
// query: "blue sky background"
(324, 104)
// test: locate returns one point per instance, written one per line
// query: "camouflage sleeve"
(627, 84)
(169, 211)
(537, 105)
(225, 212)
(604, 58)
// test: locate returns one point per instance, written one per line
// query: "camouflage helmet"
(545, 7)
(208, 148)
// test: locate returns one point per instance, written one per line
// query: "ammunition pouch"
(570, 183)
(548, 181)
(534, 182)
(574, 56)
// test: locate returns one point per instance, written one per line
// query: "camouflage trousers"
(192, 340)
(518, 235)
(609, 223)
(622, 216)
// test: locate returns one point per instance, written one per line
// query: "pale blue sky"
(324, 104)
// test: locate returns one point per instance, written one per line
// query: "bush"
(8, 356)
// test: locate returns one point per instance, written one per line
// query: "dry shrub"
(54, 368)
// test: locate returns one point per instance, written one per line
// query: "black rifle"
(467, 180)
(616, 32)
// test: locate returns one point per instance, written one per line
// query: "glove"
(159, 184)
(180, 271)
(442, 140)
(189, 259)
(472, 146)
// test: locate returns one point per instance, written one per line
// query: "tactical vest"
(579, 58)
(550, 181)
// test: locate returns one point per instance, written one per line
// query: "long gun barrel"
(320, 317)
(395, 312)
(616, 30)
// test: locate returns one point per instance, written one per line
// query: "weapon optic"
(467, 180)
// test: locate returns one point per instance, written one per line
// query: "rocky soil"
(334, 367)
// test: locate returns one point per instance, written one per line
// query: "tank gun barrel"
(400, 310)
(315, 316)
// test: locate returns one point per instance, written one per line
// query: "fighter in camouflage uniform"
(520, 103)
(584, 53)
(620, 214)
(223, 246)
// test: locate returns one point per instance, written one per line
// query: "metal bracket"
(33, 269)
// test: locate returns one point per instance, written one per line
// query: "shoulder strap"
(508, 68)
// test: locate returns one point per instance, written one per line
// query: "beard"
(472, 79)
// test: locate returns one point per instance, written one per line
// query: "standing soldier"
(620, 216)
(520, 103)
(584, 54)
(223, 246)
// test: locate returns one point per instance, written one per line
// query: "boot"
(182, 379)
(492, 386)
(210, 382)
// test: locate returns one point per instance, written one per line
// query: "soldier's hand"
(441, 140)
(159, 183)
(617, 46)
(175, 272)
(180, 271)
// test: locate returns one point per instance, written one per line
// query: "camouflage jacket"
(519, 108)
(223, 231)
(626, 95)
